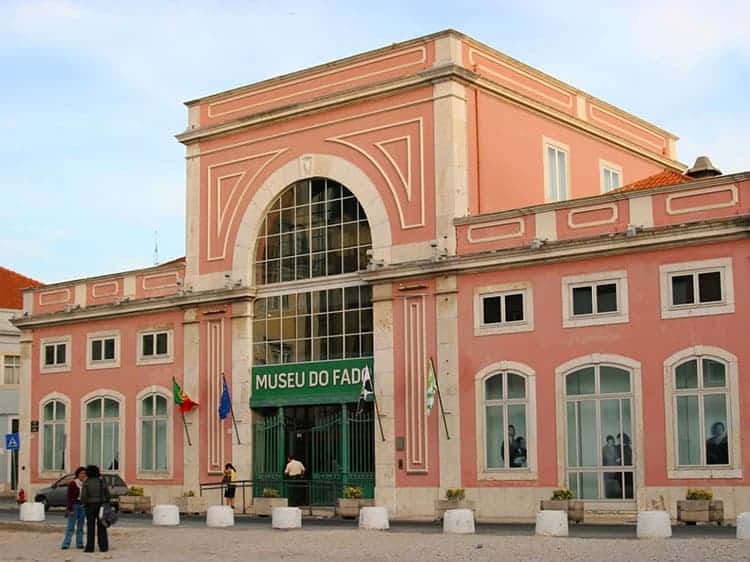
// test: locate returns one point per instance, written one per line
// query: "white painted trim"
(167, 394)
(641, 211)
(52, 474)
(96, 286)
(57, 368)
(621, 316)
(475, 227)
(734, 469)
(531, 470)
(685, 194)
(103, 363)
(557, 145)
(155, 359)
(725, 306)
(61, 290)
(120, 398)
(580, 210)
(526, 325)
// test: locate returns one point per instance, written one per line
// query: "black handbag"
(107, 514)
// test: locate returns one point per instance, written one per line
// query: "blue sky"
(92, 95)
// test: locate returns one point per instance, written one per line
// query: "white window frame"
(605, 167)
(91, 363)
(734, 469)
(5, 358)
(530, 472)
(620, 316)
(112, 395)
(503, 290)
(167, 474)
(155, 359)
(53, 474)
(57, 367)
(565, 149)
(724, 306)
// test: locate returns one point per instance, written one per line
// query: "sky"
(92, 94)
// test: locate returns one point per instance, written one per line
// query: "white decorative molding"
(51, 296)
(97, 288)
(487, 225)
(582, 210)
(164, 285)
(732, 202)
(214, 369)
(657, 146)
(415, 381)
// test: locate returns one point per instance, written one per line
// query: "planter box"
(700, 511)
(190, 504)
(441, 506)
(135, 504)
(264, 506)
(574, 508)
(348, 508)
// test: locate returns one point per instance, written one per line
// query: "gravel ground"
(252, 544)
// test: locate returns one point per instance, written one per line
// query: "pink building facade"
(433, 202)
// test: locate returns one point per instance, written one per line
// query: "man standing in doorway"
(295, 470)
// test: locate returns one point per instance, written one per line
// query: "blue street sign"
(12, 441)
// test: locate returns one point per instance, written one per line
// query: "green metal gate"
(361, 440)
(327, 467)
(268, 454)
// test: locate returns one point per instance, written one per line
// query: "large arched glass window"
(505, 416)
(154, 420)
(315, 228)
(53, 435)
(103, 433)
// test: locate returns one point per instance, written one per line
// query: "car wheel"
(44, 501)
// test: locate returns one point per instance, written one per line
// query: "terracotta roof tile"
(667, 177)
(11, 284)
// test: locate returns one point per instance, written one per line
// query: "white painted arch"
(303, 167)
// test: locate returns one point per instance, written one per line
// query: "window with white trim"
(599, 298)
(611, 178)
(505, 421)
(103, 433)
(55, 354)
(12, 369)
(154, 426)
(697, 288)
(155, 346)
(103, 349)
(556, 171)
(53, 436)
(506, 308)
(503, 308)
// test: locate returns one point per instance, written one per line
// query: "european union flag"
(225, 402)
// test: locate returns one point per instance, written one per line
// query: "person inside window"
(717, 448)
(516, 449)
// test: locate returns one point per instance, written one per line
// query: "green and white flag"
(431, 387)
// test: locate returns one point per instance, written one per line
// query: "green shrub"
(135, 491)
(188, 494)
(455, 494)
(270, 493)
(699, 494)
(562, 494)
(353, 492)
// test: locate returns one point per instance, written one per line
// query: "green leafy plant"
(188, 494)
(270, 493)
(699, 494)
(353, 492)
(562, 494)
(455, 494)
(135, 491)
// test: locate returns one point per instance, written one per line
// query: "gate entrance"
(334, 442)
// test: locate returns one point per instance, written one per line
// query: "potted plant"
(135, 501)
(562, 500)
(190, 503)
(700, 507)
(455, 498)
(348, 507)
(270, 498)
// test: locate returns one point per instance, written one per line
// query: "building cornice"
(568, 250)
(135, 307)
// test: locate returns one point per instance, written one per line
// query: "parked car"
(57, 494)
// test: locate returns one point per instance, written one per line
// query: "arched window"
(314, 228)
(506, 422)
(54, 436)
(154, 430)
(103, 433)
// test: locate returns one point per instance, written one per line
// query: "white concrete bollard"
(31, 511)
(166, 515)
(458, 522)
(286, 518)
(654, 525)
(220, 516)
(373, 518)
(552, 523)
(743, 525)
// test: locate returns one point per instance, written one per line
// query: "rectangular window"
(556, 171)
(103, 349)
(12, 369)
(503, 308)
(55, 354)
(598, 298)
(697, 288)
(155, 346)
(500, 309)
(611, 178)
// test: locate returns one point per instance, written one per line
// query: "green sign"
(317, 382)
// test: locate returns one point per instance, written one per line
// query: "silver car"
(57, 494)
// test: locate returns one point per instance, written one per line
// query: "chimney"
(703, 168)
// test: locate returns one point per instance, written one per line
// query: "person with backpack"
(95, 495)
(74, 510)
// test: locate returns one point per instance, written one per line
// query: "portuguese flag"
(182, 399)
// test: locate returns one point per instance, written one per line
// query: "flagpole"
(187, 433)
(377, 414)
(231, 411)
(440, 401)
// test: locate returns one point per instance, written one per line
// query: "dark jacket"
(74, 495)
(95, 490)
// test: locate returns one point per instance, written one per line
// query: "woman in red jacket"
(74, 511)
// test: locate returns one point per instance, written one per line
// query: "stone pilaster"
(242, 342)
(191, 385)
